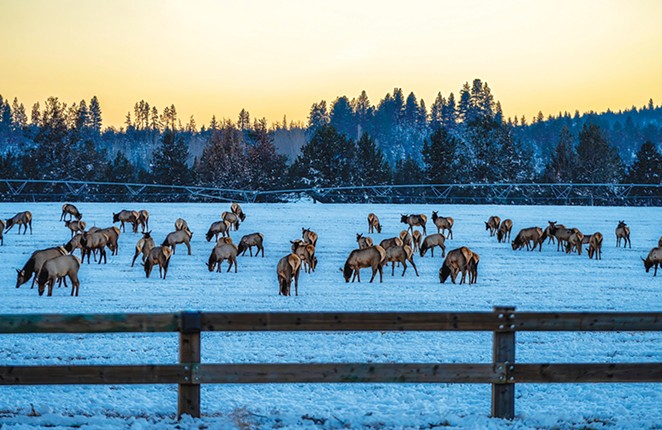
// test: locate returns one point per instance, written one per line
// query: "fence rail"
(502, 373)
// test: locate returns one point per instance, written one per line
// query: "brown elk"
(34, 263)
(223, 240)
(93, 242)
(288, 269)
(458, 260)
(75, 226)
(654, 259)
(562, 235)
(492, 224)
(231, 218)
(373, 223)
(181, 224)
(222, 227)
(503, 233)
(363, 241)
(220, 253)
(236, 209)
(372, 257)
(473, 267)
(414, 220)
(595, 246)
(113, 234)
(75, 243)
(575, 242)
(143, 220)
(21, 219)
(248, 241)
(309, 236)
(400, 254)
(71, 210)
(623, 232)
(159, 255)
(416, 238)
(306, 253)
(443, 224)
(177, 237)
(143, 246)
(526, 236)
(2, 230)
(392, 241)
(125, 216)
(405, 237)
(57, 268)
(432, 241)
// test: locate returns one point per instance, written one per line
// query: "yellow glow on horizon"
(277, 58)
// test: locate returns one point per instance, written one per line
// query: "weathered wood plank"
(188, 392)
(47, 375)
(587, 372)
(88, 323)
(503, 355)
(588, 321)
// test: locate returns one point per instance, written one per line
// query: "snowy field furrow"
(531, 281)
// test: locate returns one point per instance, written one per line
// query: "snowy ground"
(528, 280)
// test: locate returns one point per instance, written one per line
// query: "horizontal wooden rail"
(89, 323)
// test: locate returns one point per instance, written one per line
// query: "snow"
(531, 281)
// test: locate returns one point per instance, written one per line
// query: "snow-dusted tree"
(439, 158)
(372, 168)
(647, 167)
(266, 169)
(598, 161)
(436, 119)
(169, 161)
(342, 117)
(95, 114)
(407, 171)
(223, 161)
(318, 117)
(19, 117)
(563, 163)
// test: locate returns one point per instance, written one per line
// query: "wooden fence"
(502, 373)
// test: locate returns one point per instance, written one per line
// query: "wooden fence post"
(503, 355)
(188, 394)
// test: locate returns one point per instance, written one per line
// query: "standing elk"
(416, 237)
(222, 227)
(248, 241)
(575, 241)
(654, 259)
(57, 268)
(93, 242)
(400, 254)
(492, 224)
(231, 218)
(363, 241)
(622, 232)
(181, 224)
(431, 241)
(443, 224)
(113, 234)
(159, 255)
(414, 220)
(21, 219)
(71, 210)
(125, 216)
(35, 262)
(220, 253)
(143, 246)
(503, 233)
(392, 241)
(309, 236)
(288, 269)
(548, 233)
(306, 253)
(75, 226)
(143, 220)
(75, 243)
(373, 223)
(595, 246)
(458, 260)
(236, 209)
(177, 237)
(405, 237)
(526, 236)
(372, 257)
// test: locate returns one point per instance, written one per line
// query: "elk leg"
(404, 265)
(235, 265)
(443, 251)
(261, 248)
(250, 251)
(134, 257)
(392, 268)
(188, 246)
(374, 272)
(432, 252)
(411, 260)
(296, 282)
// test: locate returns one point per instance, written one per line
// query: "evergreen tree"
(363, 112)
(408, 172)
(266, 168)
(436, 118)
(120, 169)
(169, 161)
(598, 161)
(647, 167)
(370, 162)
(95, 114)
(318, 117)
(439, 158)
(342, 117)
(448, 113)
(223, 161)
(563, 163)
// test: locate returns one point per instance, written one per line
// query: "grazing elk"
(222, 227)
(458, 260)
(177, 237)
(220, 253)
(231, 218)
(392, 241)
(548, 233)
(71, 210)
(236, 209)
(363, 241)
(181, 224)
(526, 236)
(622, 232)
(416, 238)
(372, 257)
(503, 233)
(309, 236)
(75, 243)
(400, 254)
(143, 246)
(306, 253)
(248, 241)
(654, 258)
(432, 241)
(143, 220)
(159, 255)
(75, 226)
(492, 224)
(406, 238)
(57, 268)
(443, 224)
(595, 246)
(93, 242)
(414, 220)
(34, 263)
(21, 219)
(575, 241)
(125, 216)
(373, 223)
(2, 230)
(288, 269)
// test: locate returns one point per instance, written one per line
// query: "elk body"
(231, 218)
(181, 224)
(562, 235)
(236, 209)
(71, 210)
(125, 216)
(35, 262)
(443, 224)
(309, 236)
(75, 226)
(414, 220)
(622, 232)
(392, 241)
(405, 237)
(113, 234)
(492, 224)
(654, 259)
(248, 241)
(143, 220)
(288, 269)
(219, 227)
(177, 237)
(75, 243)
(363, 241)
(159, 255)
(373, 223)
(526, 236)
(21, 219)
(503, 233)
(93, 242)
(400, 254)
(432, 241)
(57, 268)
(143, 246)
(458, 260)
(372, 257)
(575, 241)
(220, 253)
(306, 252)
(595, 246)
(416, 238)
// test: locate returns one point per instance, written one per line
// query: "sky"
(277, 58)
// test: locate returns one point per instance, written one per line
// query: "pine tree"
(266, 168)
(342, 117)
(95, 114)
(598, 161)
(169, 161)
(223, 161)
(318, 117)
(563, 163)
(370, 162)
(408, 172)
(647, 167)
(436, 118)
(439, 158)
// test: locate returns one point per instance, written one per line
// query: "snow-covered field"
(528, 280)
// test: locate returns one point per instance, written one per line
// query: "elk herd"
(47, 266)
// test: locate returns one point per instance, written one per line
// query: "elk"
(35, 262)
(226, 251)
(2, 230)
(526, 236)
(654, 258)
(71, 210)
(177, 237)
(309, 236)
(143, 246)
(75, 226)
(93, 242)
(143, 220)
(393, 241)
(414, 220)
(222, 227)
(492, 224)
(288, 268)
(373, 223)
(363, 241)
(400, 254)
(473, 267)
(416, 237)
(405, 237)
(595, 246)
(21, 219)
(113, 234)
(430, 242)
(159, 255)
(306, 252)
(562, 235)
(248, 241)
(181, 224)
(126, 216)
(575, 241)
(443, 224)
(458, 260)
(372, 257)
(236, 209)
(75, 243)
(231, 218)
(57, 268)
(503, 233)
(622, 232)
